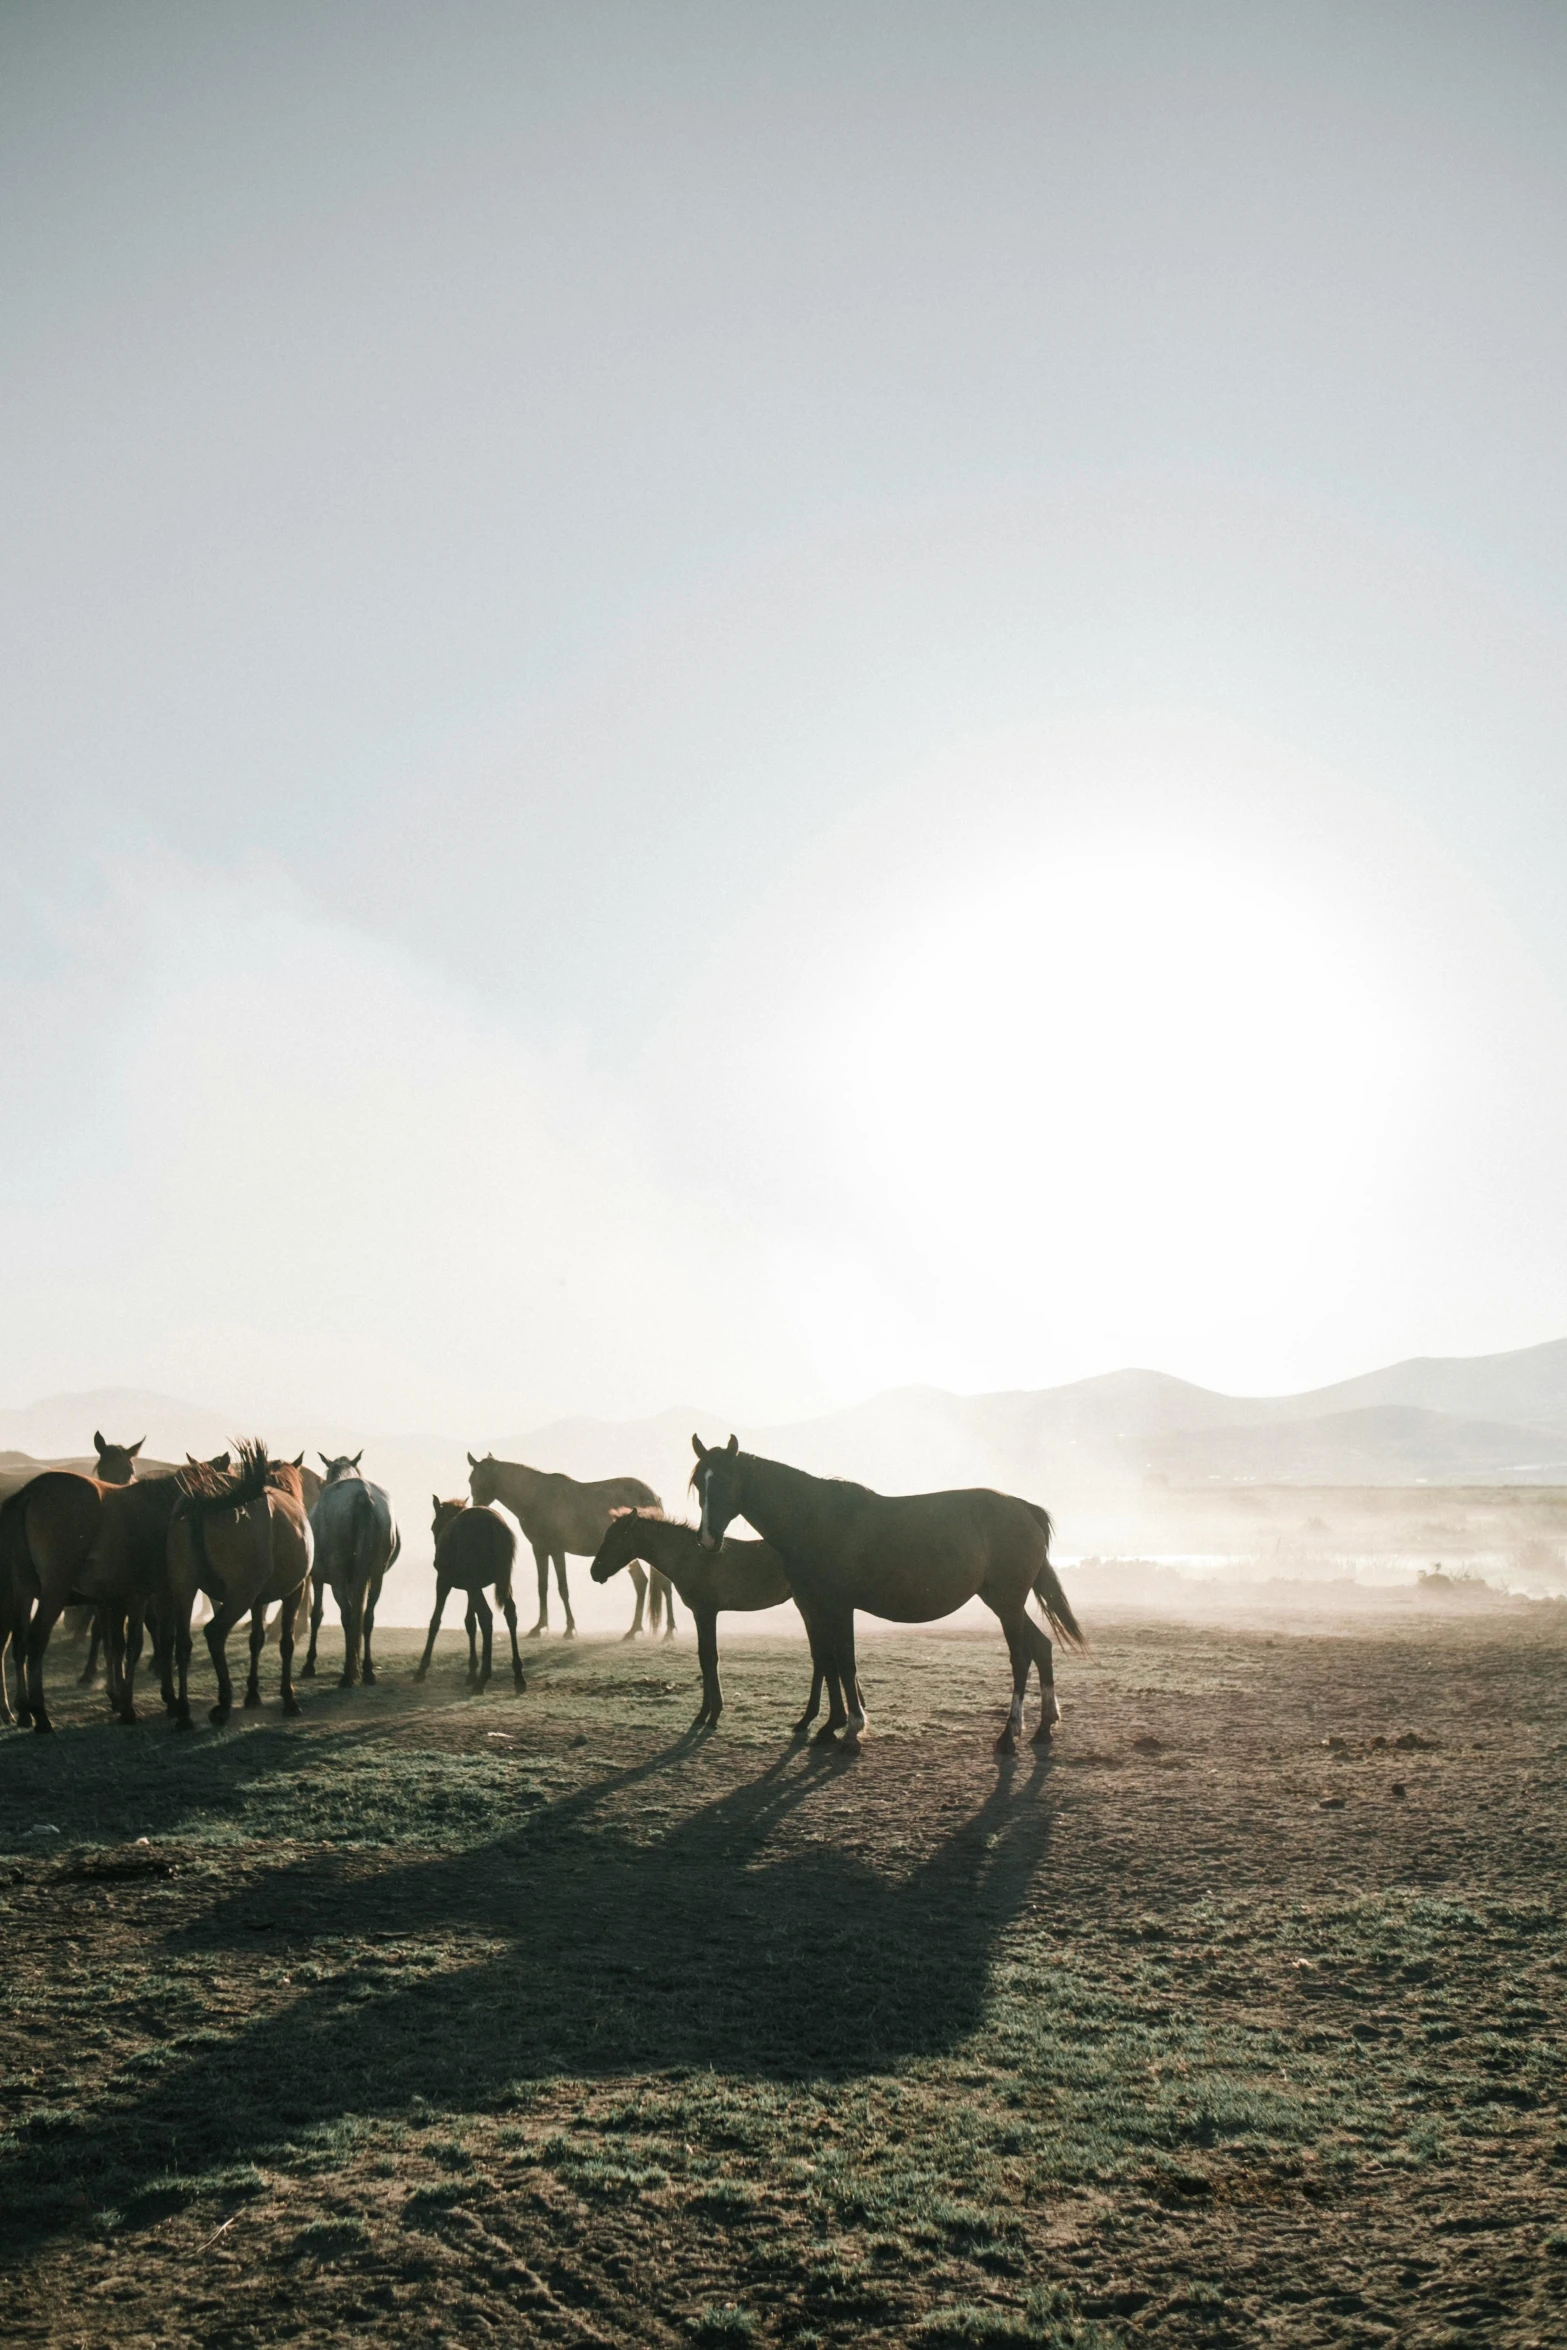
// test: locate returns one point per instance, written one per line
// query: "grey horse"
(558, 1515)
(356, 1541)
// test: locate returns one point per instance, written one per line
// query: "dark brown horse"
(65, 1537)
(742, 1576)
(475, 1551)
(116, 1465)
(908, 1557)
(560, 1518)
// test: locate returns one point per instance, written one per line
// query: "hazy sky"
(745, 703)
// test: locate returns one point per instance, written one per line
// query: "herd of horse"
(134, 1545)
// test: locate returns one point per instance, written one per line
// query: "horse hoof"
(345, 1681)
(218, 1715)
(307, 1671)
(519, 1683)
(42, 1726)
(825, 1736)
(1006, 1743)
(421, 1673)
(851, 1742)
(369, 1677)
(537, 1629)
(183, 1722)
(1041, 1736)
(570, 1632)
(252, 1699)
(291, 1705)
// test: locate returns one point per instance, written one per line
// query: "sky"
(747, 704)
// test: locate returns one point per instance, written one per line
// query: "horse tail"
(365, 1533)
(1047, 1586)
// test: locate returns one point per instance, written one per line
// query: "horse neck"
(783, 1504)
(515, 1477)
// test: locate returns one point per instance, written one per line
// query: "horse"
(356, 1541)
(474, 1549)
(244, 1538)
(64, 1536)
(909, 1557)
(560, 1516)
(742, 1576)
(116, 1465)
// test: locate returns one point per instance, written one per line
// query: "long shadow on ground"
(616, 1956)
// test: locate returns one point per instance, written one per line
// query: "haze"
(752, 704)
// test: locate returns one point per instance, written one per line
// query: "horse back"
(476, 1548)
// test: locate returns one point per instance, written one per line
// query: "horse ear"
(358, 1457)
(733, 1444)
(131, 1450)
(472, 1463)
(435, 1502)
(699, 1448)
(98, 1444)
(299, 1460)
(325, 1463)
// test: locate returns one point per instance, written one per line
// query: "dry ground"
(429, 2018)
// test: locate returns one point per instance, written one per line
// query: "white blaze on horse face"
(706, 1535)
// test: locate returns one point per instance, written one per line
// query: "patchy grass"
(536, 2017)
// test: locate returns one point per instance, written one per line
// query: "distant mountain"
(1494, 1419)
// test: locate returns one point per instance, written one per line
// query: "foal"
(743, 1576)
(474, 1550)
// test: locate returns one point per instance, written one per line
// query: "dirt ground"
(429, 2018)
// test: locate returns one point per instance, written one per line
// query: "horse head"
(342, 1466)
(116, 1462)
(483, 1478)
(717, 1481)
(445, 1511)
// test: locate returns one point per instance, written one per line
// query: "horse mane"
(634, 1509)
(205, 1488)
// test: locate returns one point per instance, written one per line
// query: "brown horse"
(474, 1552)
(560, 1517)
(242, 1537)
(116, 1465)
(64, 1537)
(742, 1576)
(909, 1557)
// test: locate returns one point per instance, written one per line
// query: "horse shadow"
(747, 1940)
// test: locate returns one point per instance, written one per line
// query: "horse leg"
(854, 1727)
(541, 1559)
(181, 1644)
(1022, 1660)
(441, 1589)
(258, 1638)
(38, 1631)
(1043, 1655)
(707, 1658)
(135, 1625)
(89, 1671)
(287, 1617)
(487, 1624)
(829, 1634)
(372, 1596)
(639, 1586)
(353, 1631)
(509, 1611)
(565, 1592)
(307, 1671)
(664, 1590)
(220, 1624)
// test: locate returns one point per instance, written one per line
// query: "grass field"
(432, 2018)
